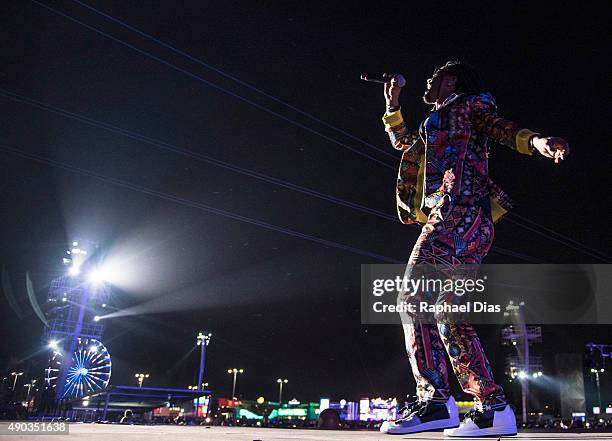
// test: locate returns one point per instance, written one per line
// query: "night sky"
(278, 305)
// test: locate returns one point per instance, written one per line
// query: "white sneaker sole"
(425, 427)
(489, 431)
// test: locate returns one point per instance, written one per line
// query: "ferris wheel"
(89, 371)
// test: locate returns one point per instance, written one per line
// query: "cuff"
(393, 119)
(522, 141)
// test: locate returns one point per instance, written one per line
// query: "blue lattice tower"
(79, 363)
(521, 336)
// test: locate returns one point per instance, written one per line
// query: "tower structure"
(521, 336)
(79, 363)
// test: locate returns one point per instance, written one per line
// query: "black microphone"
(384, 78)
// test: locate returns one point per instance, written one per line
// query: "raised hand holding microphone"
(393, 85)
(392, 92)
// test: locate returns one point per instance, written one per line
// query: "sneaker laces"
(473, 414)
(410, 409)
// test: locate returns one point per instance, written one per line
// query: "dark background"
(278, 305)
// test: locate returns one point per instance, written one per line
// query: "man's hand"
(392, 93)
(551, 147)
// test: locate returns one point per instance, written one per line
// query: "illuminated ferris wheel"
(89, 371)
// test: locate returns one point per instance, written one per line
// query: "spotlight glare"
(97, 318)
(96, 276)
(104, 274)
(53, 344)
(74, 270)
(522, 375)
(93, 348)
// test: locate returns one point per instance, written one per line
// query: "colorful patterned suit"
(444, 173)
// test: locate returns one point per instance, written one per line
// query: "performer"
(443, 183)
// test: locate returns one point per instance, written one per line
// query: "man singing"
(443, 183)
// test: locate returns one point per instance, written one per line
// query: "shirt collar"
(449, 99)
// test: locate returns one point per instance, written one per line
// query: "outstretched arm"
(484, 118)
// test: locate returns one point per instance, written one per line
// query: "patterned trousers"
(453, 235)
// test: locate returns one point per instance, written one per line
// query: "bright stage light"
(93, 348)
(101, 274)
(97, 318)
(107, 273)
(96, 276)
(74, 270)
(522, 375)
(53, 344)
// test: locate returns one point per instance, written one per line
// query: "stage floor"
(112, 432)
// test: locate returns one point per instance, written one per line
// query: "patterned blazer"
(445, 160)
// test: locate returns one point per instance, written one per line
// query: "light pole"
(235, 372)
(203, 340)
(597, 382)
(140, 378)
(29, 385)
(16, 375)
(280, 390)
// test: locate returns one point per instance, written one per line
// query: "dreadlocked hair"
(468, 81)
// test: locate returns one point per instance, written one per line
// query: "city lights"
(140, 378)
(203, 338)
(280, 382)
(29, 385)
(235, 372)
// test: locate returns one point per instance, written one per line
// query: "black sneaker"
(424, 416)
(409, 408)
